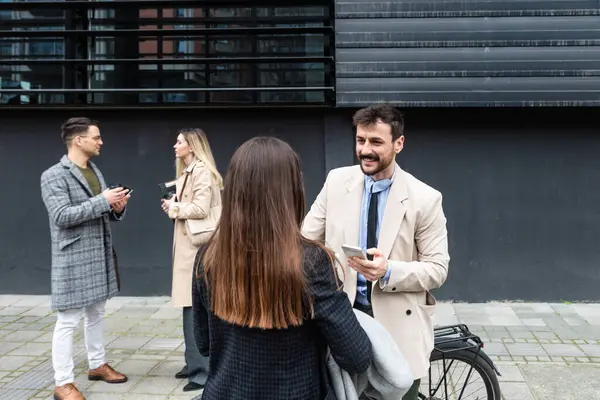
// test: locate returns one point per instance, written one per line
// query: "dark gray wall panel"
(490, 46)
(137, 152)
(520, 191)
(465, 8)
(450, 91)
(462, 32)
(521, 197)
(471, 61)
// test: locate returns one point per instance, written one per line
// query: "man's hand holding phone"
(357, 260)
(117, 197)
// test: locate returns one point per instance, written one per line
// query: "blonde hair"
(196, 139)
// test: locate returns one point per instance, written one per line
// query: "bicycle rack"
(451, 338)
(453, 334)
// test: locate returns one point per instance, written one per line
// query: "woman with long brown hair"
(267, 301)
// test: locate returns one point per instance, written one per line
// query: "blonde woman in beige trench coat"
(198, 187)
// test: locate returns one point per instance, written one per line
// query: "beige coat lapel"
(393, 214)
(352, 203)
(179, 186)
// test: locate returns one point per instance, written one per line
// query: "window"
(138, 55)
(6, 49)
(28, 38)
(46, 48)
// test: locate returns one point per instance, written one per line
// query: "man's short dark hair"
(76, 126)
(383, 112)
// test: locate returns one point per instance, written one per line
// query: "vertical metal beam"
(127, 75)
(329, 51)
(71, 54)
(76, 47)
(254, 68)
(160, 50)
(205, 10)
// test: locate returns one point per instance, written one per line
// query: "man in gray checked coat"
(84, 275)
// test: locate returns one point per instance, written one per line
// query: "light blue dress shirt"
(383, 188)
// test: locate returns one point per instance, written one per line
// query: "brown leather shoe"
(67, 392)
(107, 374)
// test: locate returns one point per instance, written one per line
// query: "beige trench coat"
(193, 202)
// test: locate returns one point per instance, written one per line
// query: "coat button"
(394, 289)
(184, 233)
(408, 312)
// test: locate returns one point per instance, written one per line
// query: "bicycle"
(456, 345)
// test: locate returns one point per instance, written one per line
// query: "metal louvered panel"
(468, 53)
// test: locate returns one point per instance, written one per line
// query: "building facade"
(499, 99)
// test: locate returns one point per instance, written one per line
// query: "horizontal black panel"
(469, 25)
(179, 84)
(196, 21)
(367, 41)
(469, 54)
(447, 85)
(182, 76)
(574, 99)
(467, 32)
(168, 97)
(468, 62)
(342, 72)
(171, 90)
(168, 61)
(464, 8)
(452, 92)
(150, 4)
(180, 33)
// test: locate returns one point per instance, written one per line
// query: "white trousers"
(62, 341)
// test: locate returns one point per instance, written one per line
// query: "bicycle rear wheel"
(476, 380)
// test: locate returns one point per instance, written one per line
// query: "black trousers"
(367, 309)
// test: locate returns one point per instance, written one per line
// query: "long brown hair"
(254, 263)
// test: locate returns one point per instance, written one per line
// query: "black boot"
(183, 374)
(192, 386)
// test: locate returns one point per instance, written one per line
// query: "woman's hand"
(166, 203)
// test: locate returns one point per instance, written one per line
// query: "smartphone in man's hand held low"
(354, 251)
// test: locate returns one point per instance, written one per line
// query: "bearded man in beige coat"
(399, 222)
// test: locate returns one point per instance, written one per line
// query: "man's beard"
(380, 166)
(92, 153)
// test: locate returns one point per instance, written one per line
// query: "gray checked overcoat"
(83, 267)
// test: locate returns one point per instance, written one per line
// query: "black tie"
(371, 234)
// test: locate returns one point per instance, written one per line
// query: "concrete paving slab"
(510, 373)
(562, 350)
(552, 382)
(544, 351)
